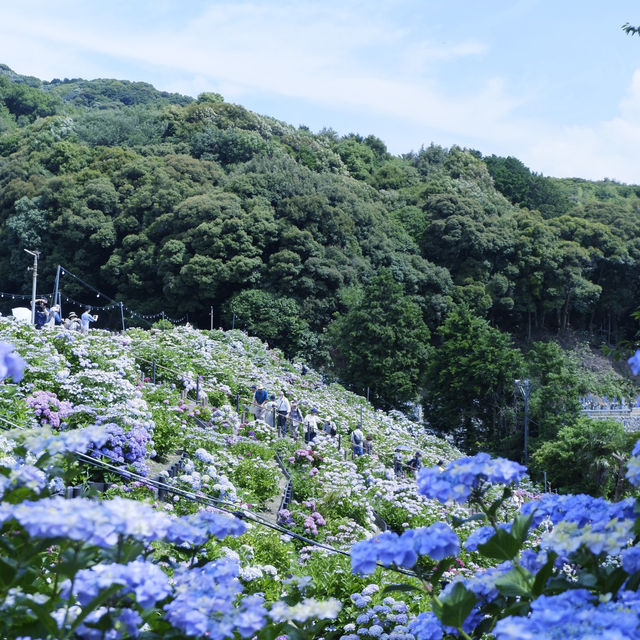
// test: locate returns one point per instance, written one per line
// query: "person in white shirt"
(283, 406)
(310, 425)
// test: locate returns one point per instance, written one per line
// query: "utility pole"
(56, 288)
(524, 386)
(211, 314)
(35, 255)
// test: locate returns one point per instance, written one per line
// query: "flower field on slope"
(174, 567)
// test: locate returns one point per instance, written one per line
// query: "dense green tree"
(274, 318)
(555, 389)
(523, 187)
(585, 457)
(382, 342)
(470, 383)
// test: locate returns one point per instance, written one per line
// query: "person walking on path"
(72, 323)
(295, 419)
(310, 425)
(41, 313)
(415, 464)
(270, 411)
(259, 401)
(368, 445)
(398, 465)
(356, 441)
(53, 317)
(283, 407)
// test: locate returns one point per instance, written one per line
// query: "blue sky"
(553, 83)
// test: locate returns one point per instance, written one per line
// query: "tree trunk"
(622, 463)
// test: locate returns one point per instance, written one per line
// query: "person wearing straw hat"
(72, 323)
(86, 319)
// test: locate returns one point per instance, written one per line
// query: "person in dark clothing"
(259, 401)
(42, 313)
(415, 464)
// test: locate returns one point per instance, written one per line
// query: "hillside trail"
(268, 511)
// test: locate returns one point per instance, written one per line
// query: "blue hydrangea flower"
(144, 579)
(567, 537)
(581, 509)
(478, 537)
(11, 364)
(205, 602)
(438, 541)
(631, 560)
(461, 476)
(574, 615)
(426, 627)
(634, 362)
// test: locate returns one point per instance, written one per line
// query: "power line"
(216, 503)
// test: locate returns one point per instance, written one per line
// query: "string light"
(109, 307)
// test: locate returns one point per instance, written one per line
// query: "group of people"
(274, 411)
(282, 413)
(46, 317)
(286, 415)
(359, 444)
(413, 465)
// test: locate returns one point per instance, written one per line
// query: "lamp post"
(35, 255)
(524, 386)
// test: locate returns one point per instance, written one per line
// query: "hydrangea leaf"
(543, 575)
(517, 582)
(501, 546)
(520, 527)
(454, 608)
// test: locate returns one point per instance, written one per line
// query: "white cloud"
(607, 149)
(353, 57)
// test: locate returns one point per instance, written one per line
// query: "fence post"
(237, 402)
(275, 423)
(154, 371)
(339, 436)
(197, 389)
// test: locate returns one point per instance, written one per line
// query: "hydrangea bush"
(483, 553)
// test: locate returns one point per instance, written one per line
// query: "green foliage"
(555, 389)
(470, 382)
(585, 457)
(170, 203)
(275, 318)
(260, 479)
(517, 183)
(383, 343)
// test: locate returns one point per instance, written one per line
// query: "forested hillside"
(328, 247)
